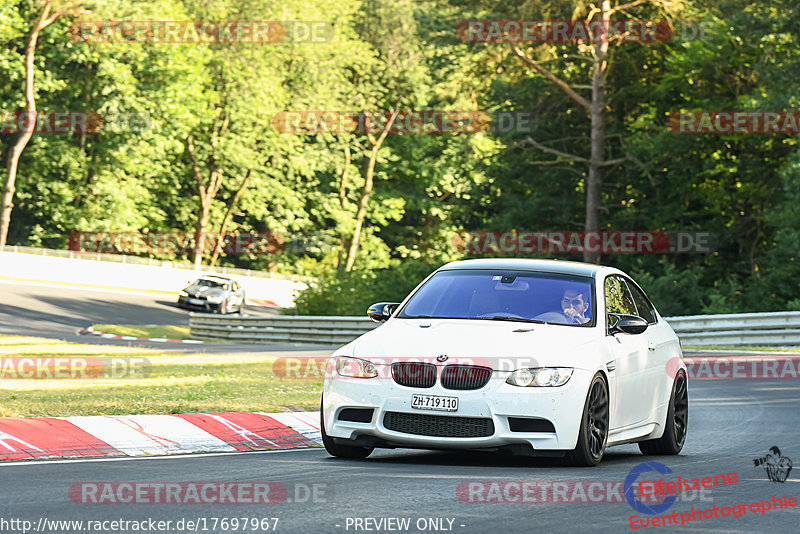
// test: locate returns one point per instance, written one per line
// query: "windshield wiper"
(513, 319)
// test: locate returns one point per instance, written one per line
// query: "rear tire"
(593, 432)
(341, 451)
(223, 308)
(676, 424)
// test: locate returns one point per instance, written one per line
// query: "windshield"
(504, 295)
(208, 283)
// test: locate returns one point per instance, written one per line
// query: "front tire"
(593, 432)
(341, 451)
(676, 425)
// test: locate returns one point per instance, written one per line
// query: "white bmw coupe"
(536, 357)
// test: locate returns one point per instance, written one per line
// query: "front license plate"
(434, 402)
(198, 302)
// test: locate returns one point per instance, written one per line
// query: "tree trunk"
(6, 203)
(367, 191)
(206, 192)
(207, 189)
(594, 182)
(227, 219)
(200, 233)
(342, 196)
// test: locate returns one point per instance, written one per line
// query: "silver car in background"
(213, 293)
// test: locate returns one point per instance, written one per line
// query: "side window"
(643, 306)
(618, 296)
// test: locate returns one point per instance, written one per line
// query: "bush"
(352, 293)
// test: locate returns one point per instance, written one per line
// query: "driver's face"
(574, 300)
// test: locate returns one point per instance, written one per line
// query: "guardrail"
(732, 329)
(306, 329)
(778, 328)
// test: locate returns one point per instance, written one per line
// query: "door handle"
(651, 345)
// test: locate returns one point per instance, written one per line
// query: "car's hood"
(204, 291)
(500, 345)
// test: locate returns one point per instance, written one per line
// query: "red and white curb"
(155, 435)
(89, 331)
(262, 302)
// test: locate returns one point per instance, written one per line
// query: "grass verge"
(157, 331)
(176, 383)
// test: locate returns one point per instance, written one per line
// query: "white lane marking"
(138, 435)
(140, 458)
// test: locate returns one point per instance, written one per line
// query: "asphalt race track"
(58, 311)
(731, 423)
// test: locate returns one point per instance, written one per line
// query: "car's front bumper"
(198, 304)
(498, 401)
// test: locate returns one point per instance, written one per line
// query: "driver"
(575, 304)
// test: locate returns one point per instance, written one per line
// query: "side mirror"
(381, 311)
(627, 324)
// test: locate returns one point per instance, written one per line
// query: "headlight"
(215, 299)
(540, 377)
(355, 368)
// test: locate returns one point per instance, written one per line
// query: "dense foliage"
(211, 105)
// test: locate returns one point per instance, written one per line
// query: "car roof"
(523, 264)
